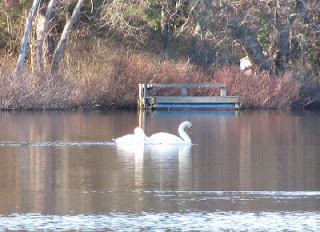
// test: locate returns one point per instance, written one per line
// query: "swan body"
(138, 137)
(166, 138)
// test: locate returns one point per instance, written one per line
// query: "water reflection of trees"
(275, 151)
(261, 151)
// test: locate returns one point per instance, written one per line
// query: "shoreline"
(43, 91)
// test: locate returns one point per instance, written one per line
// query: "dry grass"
(101, 81)
(259, 89)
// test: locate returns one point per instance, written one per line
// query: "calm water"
(248, 171)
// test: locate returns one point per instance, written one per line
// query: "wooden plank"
(196, 106)
(186, 86)
(194, 100)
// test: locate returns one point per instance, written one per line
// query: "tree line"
(277, 35)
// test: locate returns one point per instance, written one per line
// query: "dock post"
(223, 91)
(183, 92)
(139, 100)
(140, 103)
(145, 95)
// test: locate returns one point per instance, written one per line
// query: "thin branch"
(181, 29)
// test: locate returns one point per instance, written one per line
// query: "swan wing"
(136, 138)
(126, 139)
(165, 138)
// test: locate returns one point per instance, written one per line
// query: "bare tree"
(42, 27)
(275, 35)
(248, 40)
(64, 37)
(117, 15)
(25, 38)
(305, 34)
(173, 14)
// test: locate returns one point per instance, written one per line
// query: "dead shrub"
(259, 89)
(114, 84)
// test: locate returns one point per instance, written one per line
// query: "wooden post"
(140, 96)
(223, 91)
(183, 92)
(145, 94)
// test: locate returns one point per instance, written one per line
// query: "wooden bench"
(184, 101)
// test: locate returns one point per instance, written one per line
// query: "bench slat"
(186, 86)
(194, 100)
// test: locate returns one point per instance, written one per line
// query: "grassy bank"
(94, 82)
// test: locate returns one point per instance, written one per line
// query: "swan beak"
(190, 130)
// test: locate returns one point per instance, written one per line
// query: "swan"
(166, 138)
(138, 137)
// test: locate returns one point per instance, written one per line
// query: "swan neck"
(184, 134)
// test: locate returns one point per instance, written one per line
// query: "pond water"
(247, 171)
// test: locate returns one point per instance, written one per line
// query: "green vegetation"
(116, 44)
(263, 35)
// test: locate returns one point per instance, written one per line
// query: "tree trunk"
(25, 38)
(282, 45)
(200, 53)
(165, 25)
(249, 41)
(42, 27)
(64, 37)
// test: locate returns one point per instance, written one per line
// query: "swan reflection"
(156, 154)
(154, 149)
(168, 164)
(130, 154)
(130, 149)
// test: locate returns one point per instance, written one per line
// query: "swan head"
(185, 125)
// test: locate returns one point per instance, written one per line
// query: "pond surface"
(247, 171)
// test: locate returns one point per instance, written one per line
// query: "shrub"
(259, 89)
(114, 84)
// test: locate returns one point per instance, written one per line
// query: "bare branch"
(188, 20)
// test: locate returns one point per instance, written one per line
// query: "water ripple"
(198, 221)
(237, 194)
(53, 143)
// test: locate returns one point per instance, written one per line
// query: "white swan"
(138, 137)
(166, 138)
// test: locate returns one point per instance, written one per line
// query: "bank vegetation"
(93, 53)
